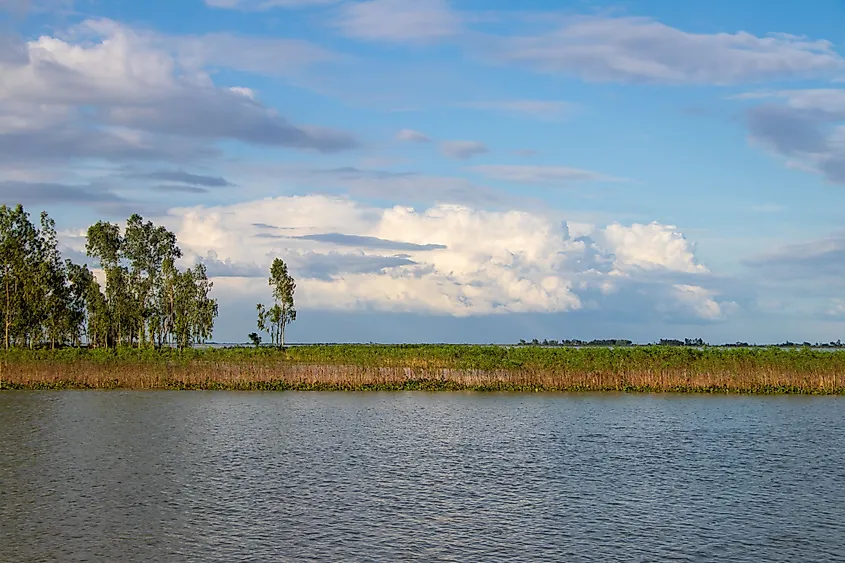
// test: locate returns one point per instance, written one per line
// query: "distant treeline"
(147, 300)
(694, 342)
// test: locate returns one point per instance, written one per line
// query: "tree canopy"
(146, 301)
(283, 312)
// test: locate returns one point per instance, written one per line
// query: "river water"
(217, 476)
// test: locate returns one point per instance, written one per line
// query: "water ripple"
(182, 476)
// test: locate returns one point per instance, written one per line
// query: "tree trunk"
(8, 322)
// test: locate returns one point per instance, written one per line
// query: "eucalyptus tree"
(78, 317)
(193, 310)
(146, 299)
(19, 269)
(205, 308)
(104, 243)
(283, 312)
(40, 302)
(51, 292)
(146, 248)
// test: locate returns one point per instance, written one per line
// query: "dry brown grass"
(281, 375)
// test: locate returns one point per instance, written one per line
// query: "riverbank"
(432, 368)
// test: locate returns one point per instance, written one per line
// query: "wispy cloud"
(807, 128)
(399, 21)
(360, 241)
(263, 5)
(538, 109)
(463, 150)
(411, 136)
(187, 178)
(535, 174)
(635, 49)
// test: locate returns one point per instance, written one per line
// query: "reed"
(432, 367)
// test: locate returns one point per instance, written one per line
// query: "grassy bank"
(432, 367)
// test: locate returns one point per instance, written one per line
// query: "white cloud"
(399, 21)
(143, 94)
(530, 174)
(411, 136)
(446, 259)
(631, 49)
(701, 302)
(651, 246)
(463, 150)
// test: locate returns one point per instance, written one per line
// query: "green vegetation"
(283, 312)
(432, 367)
(146, 301)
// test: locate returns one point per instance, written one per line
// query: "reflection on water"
(214, 476)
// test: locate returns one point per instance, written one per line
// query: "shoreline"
(431, 368)
(426, 386)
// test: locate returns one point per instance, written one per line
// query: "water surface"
(216, 476)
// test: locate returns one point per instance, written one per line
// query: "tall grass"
(432, 367)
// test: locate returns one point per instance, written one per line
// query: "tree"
(51, 289)
(104, 243)
(255, 339)
(146, 248)
(146, 299)
(80, 281)
(194, 311)
(19, 262)
(283, 312)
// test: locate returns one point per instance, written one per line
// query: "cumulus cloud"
(448, 259)
(118, 93)
(398, 21)
(463, 150)
(632, 49)
(700, 302)
(411, 136)
(528, 174)
(652, 246)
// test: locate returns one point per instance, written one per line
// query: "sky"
(452, 171)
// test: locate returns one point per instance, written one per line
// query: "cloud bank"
(448, 259)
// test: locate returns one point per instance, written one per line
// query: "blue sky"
(438, 170)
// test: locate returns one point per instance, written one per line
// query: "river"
(217, 476)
